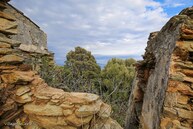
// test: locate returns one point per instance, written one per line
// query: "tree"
(117, 77)
(83, 70)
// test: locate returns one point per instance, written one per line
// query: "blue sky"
(107, 28)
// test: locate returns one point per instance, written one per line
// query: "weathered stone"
(48, 122)
(7, 26)
(87, 110)
(184, 113)
(66, 105)
(2, 5)
(23, 98)
(105, 111)
(72, 119)
(4, 51)
(17, 77)
(105, 124)
(164, 122)
(183, 66)
(177, 77)
(54, 101)
(7, 67)
(175, 86)
(43, 97)
(43, 110)
(188, 79)
(5, 45)
(6, 16)
(25, 67)
(22, 90)
(183, 99)
(9, 105)
(33, 48)
(183, 106)
(82, 98)
(188, 72)
(67, 112)
(186, 36)
(9, 41)
(11, 59)
(170, 112)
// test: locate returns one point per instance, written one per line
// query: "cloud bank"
(107, 28)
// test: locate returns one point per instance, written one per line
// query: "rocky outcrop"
(162, 90)
(27, 102)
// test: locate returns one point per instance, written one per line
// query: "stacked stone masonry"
(162, 92)
(26, 101)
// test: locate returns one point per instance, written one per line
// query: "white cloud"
(105, 27)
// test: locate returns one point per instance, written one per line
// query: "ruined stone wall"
(28, 32)
(162, 91)
(27, 38)
(26, 101)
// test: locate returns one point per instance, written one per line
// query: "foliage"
(82, 70)
(117, 77)
(53, 75)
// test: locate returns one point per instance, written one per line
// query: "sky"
(107, 28)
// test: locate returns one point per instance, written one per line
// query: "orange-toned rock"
(66, 105)
(185, 113)
(188, 72)
(11, 59)
(6, 16)
(48, 122)
(105, 124)
(17, 77)
(9, 41)
(182, 99)
(164, 122)
(43, 110)
(4, 45)
(184, 88)
(22, 90)
(87, 110)
(7, 67)
(170, 112)
(105, 111)
(4, 51)
(188, 79)
(7, 26)
(67, 112)
(23, 98)
(9, 105)
(72, 119)
(83, 98)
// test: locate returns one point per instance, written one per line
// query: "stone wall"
(26, 37)
(28, 32)
(26, 101)
(162, 91)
